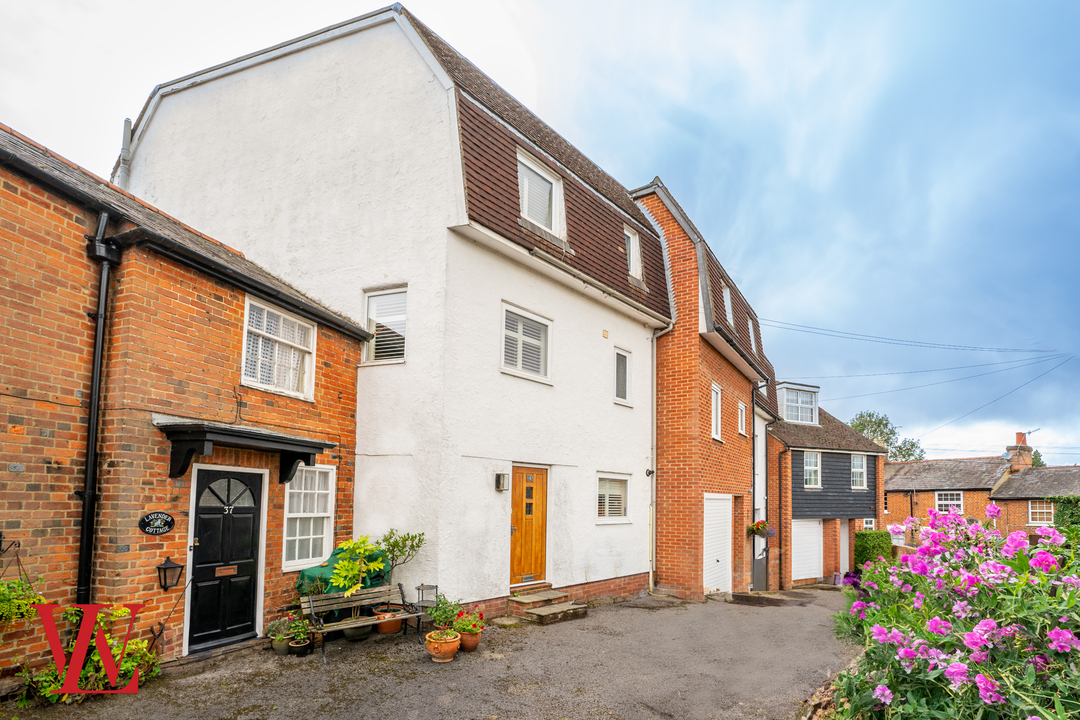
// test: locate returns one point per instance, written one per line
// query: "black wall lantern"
(169, 573)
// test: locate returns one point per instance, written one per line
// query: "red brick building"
(218, 383)
(971, 484)
(713, 402)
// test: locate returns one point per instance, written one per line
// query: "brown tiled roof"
(953, 474)
(74, 181)
(1042, 482)
(829, 434)
(469, 78)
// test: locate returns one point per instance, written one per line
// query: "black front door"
(225, 567)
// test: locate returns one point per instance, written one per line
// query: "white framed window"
(800, 406)
(885, 497)
(309, 517)
(811, 477)
(868, 524)
(946, 501)
(858, 472)
(742, 418)
(611, 498)
(541, 194)
(279, 351)
(728, 310)
(714, 411)
(526, 339)
(386, 320)
(753, 337)
(622, 377)
(633, 252)
(1040, 512)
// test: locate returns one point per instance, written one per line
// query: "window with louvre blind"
(611, 498)
(386, 320)
(525, 344)
(541, 195)
(309, 517)
(279, 351)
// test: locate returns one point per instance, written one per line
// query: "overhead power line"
(1029, 363)
(781, 325)
(914, 372)
(998, 398)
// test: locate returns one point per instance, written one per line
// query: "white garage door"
(806, 549)
(716, 540)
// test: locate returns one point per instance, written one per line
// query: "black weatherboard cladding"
(835, 498)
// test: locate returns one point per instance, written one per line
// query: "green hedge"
(869, 544)
(1066, 510)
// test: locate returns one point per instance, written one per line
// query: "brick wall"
(1014, 513)
(174, 346)
(689, 462)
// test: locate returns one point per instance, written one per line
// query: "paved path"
(629, 661)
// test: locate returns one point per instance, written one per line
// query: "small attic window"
(541, 195)
(727, 306)
(753, 339)
(633, 252)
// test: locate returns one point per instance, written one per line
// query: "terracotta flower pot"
(301, 647)
(469, 641)
(281, 648)
(442, 651)
(390, 627)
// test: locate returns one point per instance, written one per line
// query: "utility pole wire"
(781, 325)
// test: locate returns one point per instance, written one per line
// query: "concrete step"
(520, 604)
(558, 612)
(772, 598)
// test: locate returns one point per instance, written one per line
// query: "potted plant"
(442, 645)
(444, 612)
(301, 634)
(353, 564)
(279, 634)
(469, 624)
(17, 600)
(761, 529)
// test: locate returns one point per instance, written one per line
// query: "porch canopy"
(197, 437)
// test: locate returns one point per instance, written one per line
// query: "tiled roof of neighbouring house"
(1041, 482)
(70, 179)
(829, 434)
(953, 474)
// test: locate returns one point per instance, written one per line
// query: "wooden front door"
(225, 561)
(528, 525)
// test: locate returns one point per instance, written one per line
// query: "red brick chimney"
(1021, 454)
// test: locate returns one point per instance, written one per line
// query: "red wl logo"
(89, 629)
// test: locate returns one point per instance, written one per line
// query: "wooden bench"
(316, 607)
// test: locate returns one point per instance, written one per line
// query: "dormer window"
(633, 252)
(753, 339)
(798, 403)
(727, 306)
(541, 195)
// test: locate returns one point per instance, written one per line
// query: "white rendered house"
(514, 289)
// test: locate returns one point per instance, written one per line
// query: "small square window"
(811, 470)
(386, 320)
(1040, 512)
(525, 344)
(717, 397)
(611, 498)
(633, 252)
(622, 377)
(858, 472)
(541, 195)
(742, 418)
(868, 524)
(949, 502)
(279, 351)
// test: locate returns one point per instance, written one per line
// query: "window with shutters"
(622, 377)
(714, 411)
(811, 477)
(541, 194)
(386, 320)
(526, 338)
(279, 351)
(309, 517)
(1040, 512)
(611, 498)
(633, 252)
(858, 472)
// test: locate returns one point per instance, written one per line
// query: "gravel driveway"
(640, 659)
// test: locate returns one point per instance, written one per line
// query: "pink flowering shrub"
(973, 625)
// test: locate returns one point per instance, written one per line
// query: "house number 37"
(228, 509)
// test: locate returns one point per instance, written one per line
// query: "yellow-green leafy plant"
(17, 600)
(353, 564)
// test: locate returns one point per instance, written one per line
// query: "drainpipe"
(657, 334)
(107, 254)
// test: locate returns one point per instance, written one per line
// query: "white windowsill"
(811, 487)
(1044, 524)
(302, 565)
(526, 376)
(614, 521)
(394, 361)
(624, 403)
(274, 391)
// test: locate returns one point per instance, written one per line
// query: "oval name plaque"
(156, 523)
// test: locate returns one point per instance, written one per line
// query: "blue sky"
(903, 170)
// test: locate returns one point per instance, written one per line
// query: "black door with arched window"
(225, 565)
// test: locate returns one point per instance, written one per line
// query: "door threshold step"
(558, 612)
(541, 596)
